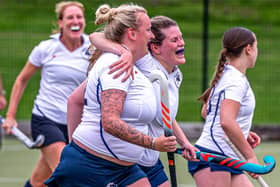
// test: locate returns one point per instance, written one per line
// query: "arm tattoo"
(112, 101)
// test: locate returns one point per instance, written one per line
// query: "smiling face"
(171, 52)
(72, 23)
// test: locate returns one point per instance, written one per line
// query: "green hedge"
(25, 23)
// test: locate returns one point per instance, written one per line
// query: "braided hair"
(234, 41)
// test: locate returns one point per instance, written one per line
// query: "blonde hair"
(117, 20)
(61, 6)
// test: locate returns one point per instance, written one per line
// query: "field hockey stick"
(260, 180)
(236, 163)
(166, 119)
(24, 139)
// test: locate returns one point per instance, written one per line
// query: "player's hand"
(123, 65)
(253, 139)
(8, 124)
(165, 144)
(189, 152)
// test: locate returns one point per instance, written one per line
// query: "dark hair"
(234, 41)
(158, 23)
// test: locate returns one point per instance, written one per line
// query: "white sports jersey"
(147, 64)
(235, 86)
(61, 72)
(139, 109)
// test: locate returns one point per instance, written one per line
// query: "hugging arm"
(124, 64)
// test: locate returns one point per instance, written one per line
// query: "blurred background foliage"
(24, 23)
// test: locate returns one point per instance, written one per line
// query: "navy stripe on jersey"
(98, 89)
(40, 110)
(85, 99)
(209, 102)
(214, 118)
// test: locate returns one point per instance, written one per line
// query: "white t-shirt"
(139, 109)
(147, 64)
(61, 72)
(235, 86)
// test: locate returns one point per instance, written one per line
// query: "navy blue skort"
(196, 166)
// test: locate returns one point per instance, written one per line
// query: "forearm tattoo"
(112, 101)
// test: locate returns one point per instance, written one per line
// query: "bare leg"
(49, 159)
(52, 154)
(206, 178)
(40, 173)
(142, 182)
(165, 184)
(240, 180)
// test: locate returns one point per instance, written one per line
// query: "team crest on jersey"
(111, 184)
(178, 79)
(91, 50)
(87, 52)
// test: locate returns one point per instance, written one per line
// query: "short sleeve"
(107, 80)
(35, 56)
(236, 89)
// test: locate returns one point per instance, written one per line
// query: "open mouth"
(180, 51)
(75, 28)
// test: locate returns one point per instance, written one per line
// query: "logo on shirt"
(178, 80)
(111, 184)
(90, 50)
(86, 53)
